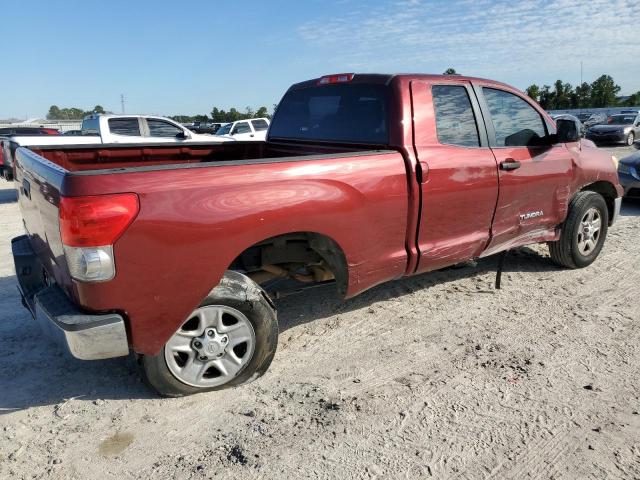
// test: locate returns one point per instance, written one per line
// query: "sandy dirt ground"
(435, 376)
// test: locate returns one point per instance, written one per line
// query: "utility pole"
(579, 102)
(122, 101)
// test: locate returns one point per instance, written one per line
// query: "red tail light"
(337, 78)
(98, 220)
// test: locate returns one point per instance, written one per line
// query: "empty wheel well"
(608, 192)
(289, 261)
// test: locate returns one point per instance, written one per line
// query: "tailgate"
(39, 182)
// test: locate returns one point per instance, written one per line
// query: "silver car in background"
(621, 128)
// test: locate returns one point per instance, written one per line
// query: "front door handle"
(509, 164)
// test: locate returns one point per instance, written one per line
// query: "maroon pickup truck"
(175, 252)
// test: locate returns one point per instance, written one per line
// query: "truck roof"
(386, 78)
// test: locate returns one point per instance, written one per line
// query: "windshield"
(622, 120)
(354, 113)
(224, 130)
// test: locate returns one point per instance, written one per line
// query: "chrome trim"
(87, 337)
(617, 204)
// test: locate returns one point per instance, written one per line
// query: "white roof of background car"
(127, 115)
(249, 119)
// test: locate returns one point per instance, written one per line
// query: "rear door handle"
(509, 164)
(26, 189)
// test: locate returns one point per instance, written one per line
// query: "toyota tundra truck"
(175, 252)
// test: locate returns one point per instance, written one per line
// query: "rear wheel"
(631, 138)
(228, 340)
(583, 233)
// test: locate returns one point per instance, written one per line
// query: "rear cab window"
(125, 126)
(344, 112)
(455, 121)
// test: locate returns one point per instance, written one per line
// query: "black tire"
(240, 292)
(631, 138)
(565, 251)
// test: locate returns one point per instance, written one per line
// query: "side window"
(160, 128)
(455, 122)
(259, 125)
(242, 127)
(515, 121)
(124, 126)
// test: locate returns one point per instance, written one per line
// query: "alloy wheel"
(212, 347)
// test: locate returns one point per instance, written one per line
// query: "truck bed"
(77, 158)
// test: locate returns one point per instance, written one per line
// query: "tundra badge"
(528, 215)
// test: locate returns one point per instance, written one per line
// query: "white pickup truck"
(109, 129)
(141, 129)
(253, 129)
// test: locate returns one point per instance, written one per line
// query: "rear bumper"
(86, 336)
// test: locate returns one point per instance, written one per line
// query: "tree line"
(73, 113)
(219, 115)
(602, 92)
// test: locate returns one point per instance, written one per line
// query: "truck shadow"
(630, 208)
(8, 195)
(323, 302)
(34, 371)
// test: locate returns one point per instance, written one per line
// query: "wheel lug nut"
(197, 344)
(225, 340)
(220, 354)
(203, 358)
(211, 333)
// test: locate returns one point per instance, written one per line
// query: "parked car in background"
(141, 129)
(629, 173)
(172, 251)
(7, 131)
(631, 112)
(588, 119)
(112, 129)
(73, 133)
(578, 125)
(203, 127)
(254, 129)
(621, 128)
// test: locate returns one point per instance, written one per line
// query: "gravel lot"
(434, 376)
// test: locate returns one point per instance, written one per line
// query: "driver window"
(241, 128)
(159, 128)
(515, 122)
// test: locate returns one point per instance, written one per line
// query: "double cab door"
(490, 177)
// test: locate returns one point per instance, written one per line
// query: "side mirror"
(567, 131)
(182, 135)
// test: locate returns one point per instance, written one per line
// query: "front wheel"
(228, 340)
(583, 233)
(631, 138)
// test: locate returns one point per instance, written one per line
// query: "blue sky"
(170, 57)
